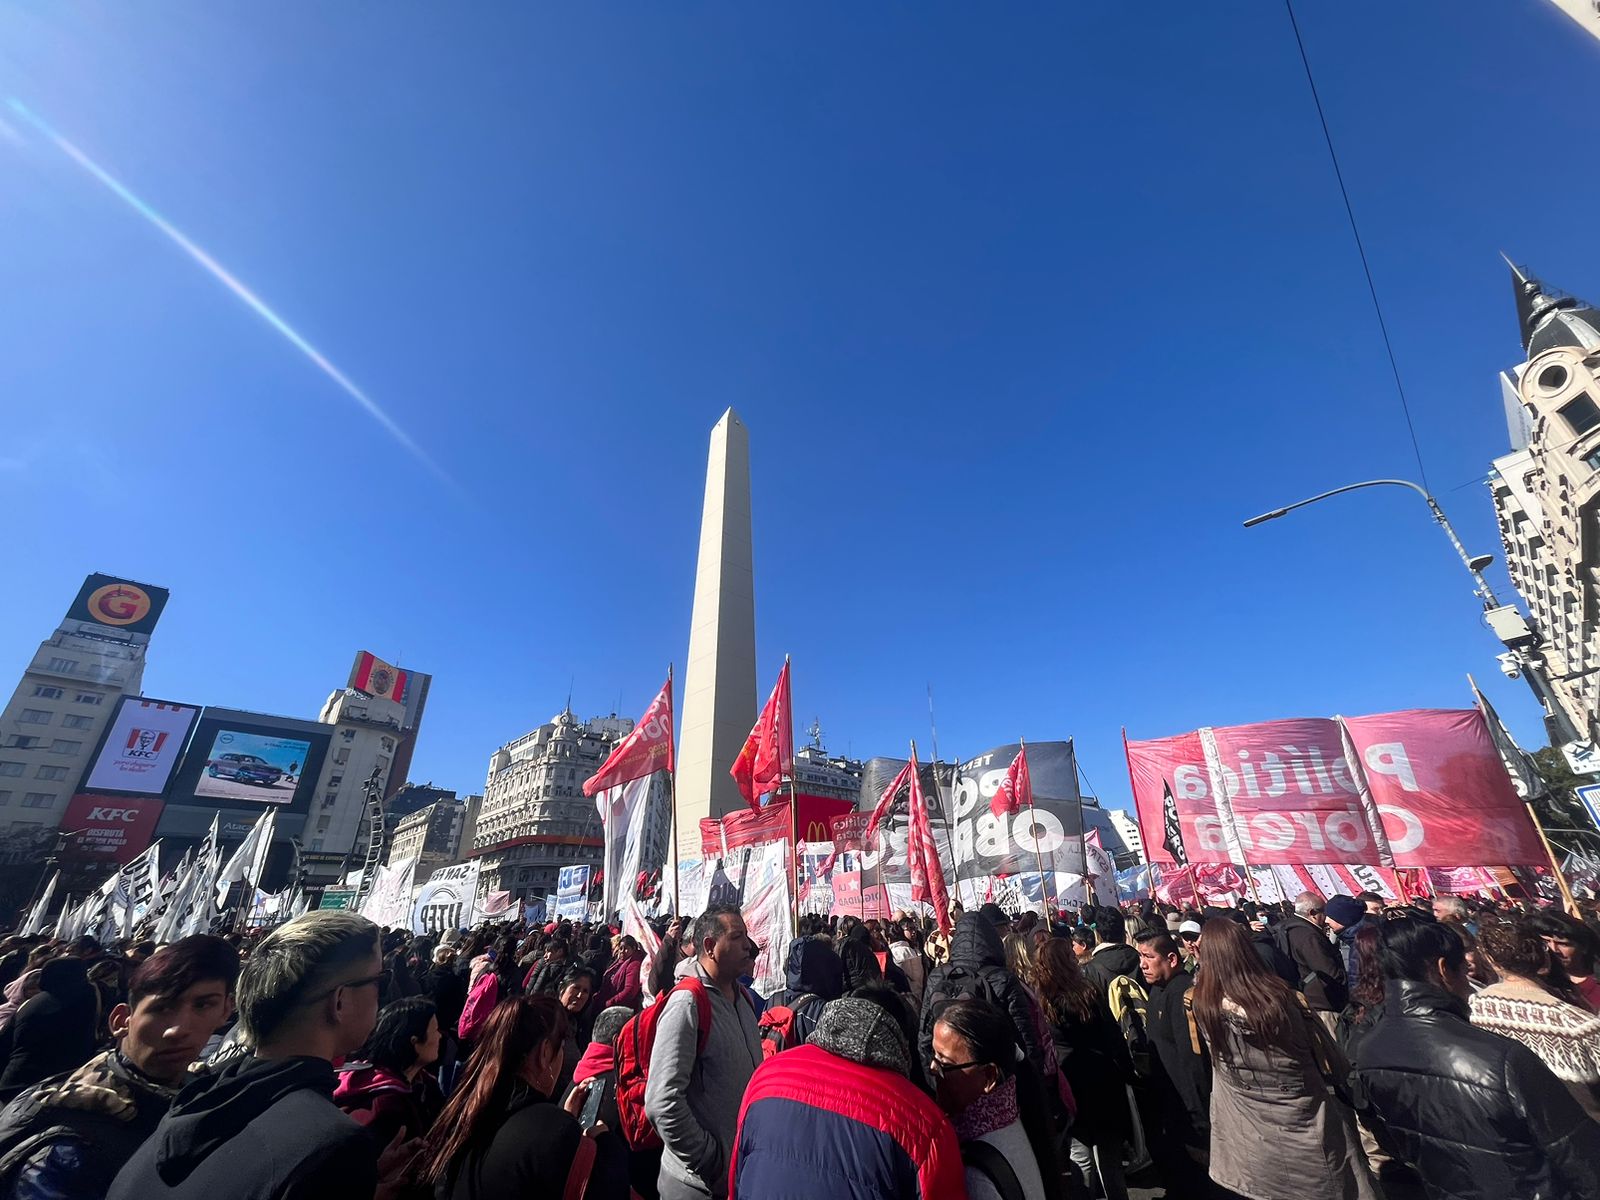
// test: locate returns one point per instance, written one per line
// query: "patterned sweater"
(1564, 1036)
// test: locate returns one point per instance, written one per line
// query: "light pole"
(1507, 623)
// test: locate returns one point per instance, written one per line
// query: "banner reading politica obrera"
(445, 901)
(1408, 789)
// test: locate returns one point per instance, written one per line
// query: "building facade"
(1585, 12)
(1547, 493)
(535, 818)
(1128, 829)
(56, 716)
(816, 773)
(435, 834)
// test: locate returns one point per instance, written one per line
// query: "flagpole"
(794, 812)
(1083, 830)
(672, 801)
(1561, 879)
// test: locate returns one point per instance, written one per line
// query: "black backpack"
(992, 1164)
(949, 984)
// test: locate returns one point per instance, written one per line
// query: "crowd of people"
(1328, 1049)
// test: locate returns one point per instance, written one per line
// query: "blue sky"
(1026, 310)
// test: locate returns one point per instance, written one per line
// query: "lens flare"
(223, 276)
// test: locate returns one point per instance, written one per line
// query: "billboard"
(244, 760)
(123, 608)
(109, 828)
(142, 746)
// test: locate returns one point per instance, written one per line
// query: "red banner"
(109, 829)
(1418, 788)
(1443, 790)
(847, 901)
(770, 824)
(644, 751)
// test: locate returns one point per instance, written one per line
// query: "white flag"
(35, 922)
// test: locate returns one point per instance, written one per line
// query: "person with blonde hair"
(266, 1125)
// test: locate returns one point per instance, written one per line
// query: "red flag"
(768, 753)
(644, 751)
(927, 874)
(885, 803)
(377, 678)
(1016, 789)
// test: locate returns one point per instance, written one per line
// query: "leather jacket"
(1477, 1114)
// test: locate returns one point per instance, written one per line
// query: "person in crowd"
(1180, 1068)
(1324, 978)
(546, 975)
(1450, 909)
(265, 1126)
(575, 991)
(691, 1096)
(677, 944)
(814, 975)
(1188, 943)
(886, 1139)
(905, 949)
(1478, 1115)
(1576, 947)
(18, 992)
(985, 1082)
(67, 1138)
(1082, 944)
(998, 918)
(1112, 955)
(1481, 972)
(977, 966)
(500, 982)
(621, 986)
(56, 1031)
(861, 966)
(1524, 1006)
(1346, 916)
(389, 1086)
(501, 1134)
(1094, 1058)
(1272, 1063)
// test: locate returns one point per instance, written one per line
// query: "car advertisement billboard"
(122, 607)
(252, 766)
(243, 760)
(142, 747)
(108, 828)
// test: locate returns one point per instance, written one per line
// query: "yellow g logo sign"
(118, 604)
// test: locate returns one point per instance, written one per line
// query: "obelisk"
(719, 685)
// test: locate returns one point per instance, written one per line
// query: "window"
(63, 746)
(323, 823)
(21, 742)
(388, 745)
(341, 756)
(1592, 460)
(65, 665)
(53, 774)
(13, 769)
(336, 781)
(1581, 413)
(89, 698)
(76, 721)
(47, 693)
(34, 716)
(1553, 378)
(39, 800)
(5, 798)
(316, 844)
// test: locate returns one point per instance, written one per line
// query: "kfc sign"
(109, 829)
(142, 746)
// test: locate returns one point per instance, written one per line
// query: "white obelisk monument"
(719, 687)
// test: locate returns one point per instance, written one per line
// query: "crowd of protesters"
(1335, 1048)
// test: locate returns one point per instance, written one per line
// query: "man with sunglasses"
(265, 1127)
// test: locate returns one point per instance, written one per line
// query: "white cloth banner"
(445, 902)
(389, 901)
(622, 811)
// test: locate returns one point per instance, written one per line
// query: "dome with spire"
(1549, 318)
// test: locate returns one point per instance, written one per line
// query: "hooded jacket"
(1110, 960)
(978, 957)
(260, 1129)
(387, 1102)
(55, 1031)
(1322, 970)
(1477, 1114)
(68, 1137)
(812, 970)
(838, 1117)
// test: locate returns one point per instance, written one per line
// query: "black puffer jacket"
(977, 967)
(1477, 1114)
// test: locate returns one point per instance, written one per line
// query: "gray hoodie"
(693, 1100)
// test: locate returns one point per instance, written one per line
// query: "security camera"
(1510, 665)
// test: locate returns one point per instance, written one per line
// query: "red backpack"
(779, 1023)
(634, 1046)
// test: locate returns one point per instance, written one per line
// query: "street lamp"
(1507, 623)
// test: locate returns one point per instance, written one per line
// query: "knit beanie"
(1345, 910)
(862, 1032)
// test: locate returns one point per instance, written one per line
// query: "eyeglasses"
(940, 1069)
(1189, 937)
